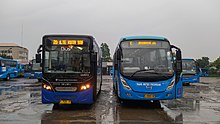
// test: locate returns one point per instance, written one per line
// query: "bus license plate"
(149, 96)
(65, 102)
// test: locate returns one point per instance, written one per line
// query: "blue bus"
(204, 72)
(145, 69)
(8, 68)
(27, 70)
(33, 70)
(71, 68)
(20, 70)
(190, 71)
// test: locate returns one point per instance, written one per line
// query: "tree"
(216, 63)
(105, 52)
(203, 62)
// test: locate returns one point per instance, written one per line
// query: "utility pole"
(22, 34)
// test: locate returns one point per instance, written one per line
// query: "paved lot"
(20, 102)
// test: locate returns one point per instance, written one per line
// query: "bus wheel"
(39, 80)
(157, 104)
(55, 106)
(7, 77)
(113, 87)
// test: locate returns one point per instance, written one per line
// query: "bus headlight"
(85, 87)
(47, 87)
(171, 84)
(124, 83)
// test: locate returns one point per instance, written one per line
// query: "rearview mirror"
(38, 58)
(93, 57)
(118, 55)
(178, 62)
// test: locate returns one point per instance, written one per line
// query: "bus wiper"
(142, 70)
(148, 71)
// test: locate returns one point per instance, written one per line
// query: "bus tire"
(94, 94)
(39, 80)
(157, 104)
(7, 77)
(100, 89)
(56, 106)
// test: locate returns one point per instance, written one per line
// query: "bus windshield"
(188, 65)
(67, 59)
(153, 57)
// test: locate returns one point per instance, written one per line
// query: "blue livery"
(190, 71)
(204, 72)
(8, 68)
(33, 70)
(145, 69)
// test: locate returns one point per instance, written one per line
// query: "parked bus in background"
(144, 69)
(8, 68)
(34, 70)
(204, 72)
(20, 70)
(71, 67)
(27, 70)
(190, 71)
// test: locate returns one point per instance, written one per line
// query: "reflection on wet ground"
(200, 102)
(106, 110)
(20, 102)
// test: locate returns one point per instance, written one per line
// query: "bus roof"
(7, 59)
(187, 59)
(66, 35)
(143, 37)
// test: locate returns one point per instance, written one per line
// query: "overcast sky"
(192, 25)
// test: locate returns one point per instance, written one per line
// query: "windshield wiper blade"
(143, 70)
(148, 71)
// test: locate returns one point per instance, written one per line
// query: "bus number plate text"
(65, 102)
(149, 96)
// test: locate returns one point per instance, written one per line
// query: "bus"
(145, 69)
(204, 72)
(71, 69)
(8, 68)
(33, 70)
(21, 70)
(190, 71)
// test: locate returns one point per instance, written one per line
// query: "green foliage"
(203, 62)
(105, 52)
(216, 63)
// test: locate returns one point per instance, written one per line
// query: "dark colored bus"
(71, 69)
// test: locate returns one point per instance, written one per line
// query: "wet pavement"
(200, 102)
(20, 102)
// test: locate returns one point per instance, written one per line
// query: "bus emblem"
(149, 87)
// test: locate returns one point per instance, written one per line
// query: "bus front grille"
(66, 89)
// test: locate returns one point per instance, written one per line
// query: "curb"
(173, 115)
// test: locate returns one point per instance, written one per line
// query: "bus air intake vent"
(66, 89)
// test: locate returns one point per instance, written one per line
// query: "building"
(106, 68)
(14, 51)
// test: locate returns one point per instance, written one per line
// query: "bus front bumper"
(132, 95)
(83, 97)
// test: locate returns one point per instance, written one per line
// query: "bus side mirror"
(178, 62)
(116, 66)
(93, 57)
(38, 58)
(119, 55)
